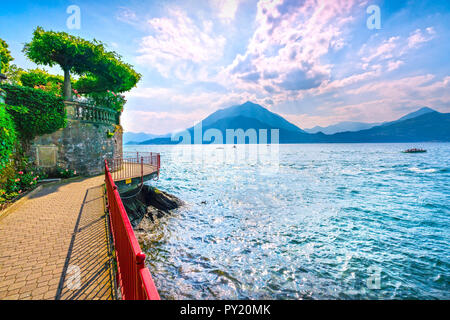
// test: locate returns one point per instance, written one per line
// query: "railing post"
(140, 264)
(142, 170)
(158, 162)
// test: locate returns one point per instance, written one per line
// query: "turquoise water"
(341, 221)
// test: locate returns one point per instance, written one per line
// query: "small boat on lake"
(415, 150)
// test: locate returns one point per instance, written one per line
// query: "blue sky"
(313, 62)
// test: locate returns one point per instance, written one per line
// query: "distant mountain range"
(422, 125)
(138, 137)
(358, 126)
(342, 127)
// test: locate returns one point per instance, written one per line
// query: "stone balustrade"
(88, 113)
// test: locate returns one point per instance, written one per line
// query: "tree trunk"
(67, 85)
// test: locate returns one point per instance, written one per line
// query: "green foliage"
(99, 69)
(38, 78)
(66, 173)
(38, 112)
(7, 136)
(108, 99)
(5, 56)
(13, 74)
(14, 182)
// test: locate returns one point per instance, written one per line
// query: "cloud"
(127, 15)
(289, 43)
(178, 46)
(383, 52)
(418, 37)
(389, 52)
(300, 80)
(393, 65)
(298, 57)
(226, 9)
(251, 77)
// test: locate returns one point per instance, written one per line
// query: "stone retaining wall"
(81, 146)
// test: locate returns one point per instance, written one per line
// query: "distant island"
(423, 125)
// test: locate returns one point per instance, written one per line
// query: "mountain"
(246, 116)
(136, 137)
(412, 115)
(251, 110)
(431, 126)
(420, 126)
(342, 127)
(358, 126)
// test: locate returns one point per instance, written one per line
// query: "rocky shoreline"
(145, 205)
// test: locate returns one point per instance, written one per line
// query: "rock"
(148, 202)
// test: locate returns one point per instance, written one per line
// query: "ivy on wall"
(37, 112)
(7, 136)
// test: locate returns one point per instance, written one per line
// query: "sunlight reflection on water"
(311, 226)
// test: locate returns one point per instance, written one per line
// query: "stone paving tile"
(56, 245)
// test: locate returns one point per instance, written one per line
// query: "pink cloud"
(418, 37)
(177, 43)
(290, 40)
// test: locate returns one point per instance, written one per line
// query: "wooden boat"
(415, 150)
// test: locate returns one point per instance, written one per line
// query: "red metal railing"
(134, 279)
(134, 164)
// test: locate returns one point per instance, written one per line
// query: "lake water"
(338, 221)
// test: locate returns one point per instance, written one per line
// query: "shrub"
(41, 79)
(7, 136)
(43, 113)
(14, 182)
(66, 173)
(108, 99)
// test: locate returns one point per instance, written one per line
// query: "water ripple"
(318, 226)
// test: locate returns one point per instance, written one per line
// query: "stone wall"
(82, 146)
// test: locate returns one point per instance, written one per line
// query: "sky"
(312, 62)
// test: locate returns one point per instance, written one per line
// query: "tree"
(5, 56)
(99, 70)
(14, 74)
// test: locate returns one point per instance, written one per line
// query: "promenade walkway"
(55, 245)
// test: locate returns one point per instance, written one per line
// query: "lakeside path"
(55, 245)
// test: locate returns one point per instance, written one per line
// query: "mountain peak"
(425, 110)
(254, 111)
(249, 103)
(421, 111)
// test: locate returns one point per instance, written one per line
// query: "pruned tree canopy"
(99, 70)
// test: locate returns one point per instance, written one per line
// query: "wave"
(418, 170)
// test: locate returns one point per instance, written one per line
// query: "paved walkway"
(55, 245)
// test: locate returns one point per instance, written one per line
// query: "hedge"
(43, 113)
(7, 136)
